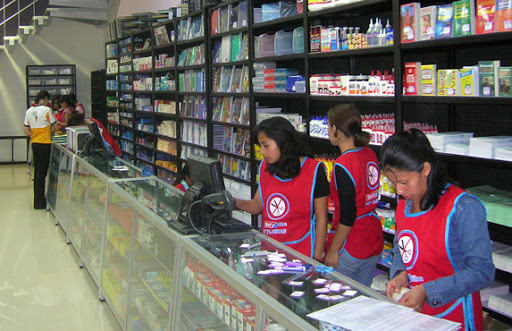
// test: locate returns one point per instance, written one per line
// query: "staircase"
(20, 18)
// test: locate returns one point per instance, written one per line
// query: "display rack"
(57, 79)
(153, 278)
(485, 116)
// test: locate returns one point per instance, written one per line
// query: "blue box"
(270, 11)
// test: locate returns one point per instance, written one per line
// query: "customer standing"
(355, 240)
(40, 123)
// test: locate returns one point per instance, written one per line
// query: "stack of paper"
(495, 288)
(485, 146)
(457, 148)
(502, 256)
(501, 303)
(440, 140)
(363, 313)
(503, 153)
(497, 202)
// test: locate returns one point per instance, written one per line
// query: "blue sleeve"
(396, 264)
(469, 249)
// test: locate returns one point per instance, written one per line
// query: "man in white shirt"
(40, 124)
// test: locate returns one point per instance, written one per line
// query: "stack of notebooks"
(497, 202)
(448, 142)
(486, 146)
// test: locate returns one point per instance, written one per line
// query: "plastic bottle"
(369, 34)
(389, 34)
(375, 32)
(382, 37)
(344, 38)
(350, 38)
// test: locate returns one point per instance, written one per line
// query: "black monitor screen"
(97, 140)
(208, 171)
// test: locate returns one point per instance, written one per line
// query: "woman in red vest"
(293, 190)
(355, 240)
(442, 247)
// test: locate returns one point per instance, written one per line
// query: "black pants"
(41, 157)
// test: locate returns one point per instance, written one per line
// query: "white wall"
(61, 42)
(128, 7)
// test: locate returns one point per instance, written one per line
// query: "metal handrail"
(17, 14)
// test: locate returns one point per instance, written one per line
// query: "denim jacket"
(470, 248)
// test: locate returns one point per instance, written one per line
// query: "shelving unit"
(57, 79)
(482, 115)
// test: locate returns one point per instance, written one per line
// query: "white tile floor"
(41, 284)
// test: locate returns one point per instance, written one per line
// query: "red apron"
(365, 238)
(423, 243)
(288, 214)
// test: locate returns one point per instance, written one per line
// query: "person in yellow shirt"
(40, 123)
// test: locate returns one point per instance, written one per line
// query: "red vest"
(288, 214)
(365, 238)
(107, 137)
(422, 240)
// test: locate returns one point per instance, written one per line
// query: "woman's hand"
(396, 284)
(415, 298)
(331, 258)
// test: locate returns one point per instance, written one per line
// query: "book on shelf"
(505, 78)
(244, 47)
(245, 79)
(448, 82)
(233, 21)
(485, 15)
(242, 14)
(463, 18)
(412, 82)
(235, 47)
(428, 17)
(217, 74)
(214, 22)
(503, 15)
(428, 79)
(224, 19)
(444, 21)
(469, 81)
(237, 110)
(410, 22)
(225, 49)
(236, 81)
(216, 108)
(245, 110)
(226, 109)
(489, 78)
(161, 36)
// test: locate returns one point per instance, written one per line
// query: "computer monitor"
(208, 172)
(96, 138)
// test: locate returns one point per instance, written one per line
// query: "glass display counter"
(153, 278)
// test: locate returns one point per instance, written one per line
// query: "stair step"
(91, 4)
(40, 20)
(79, 13)
(10, 40)
(25, 29)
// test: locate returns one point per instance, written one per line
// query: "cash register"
(206, 206)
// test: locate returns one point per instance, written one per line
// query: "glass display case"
(154, 278)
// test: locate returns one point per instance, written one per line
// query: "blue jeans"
(361, 271)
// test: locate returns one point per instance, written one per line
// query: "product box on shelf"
(439, 140)
(485, 146)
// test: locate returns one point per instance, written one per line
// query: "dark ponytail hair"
(409, 151)
(347, 119)
(290, 144)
